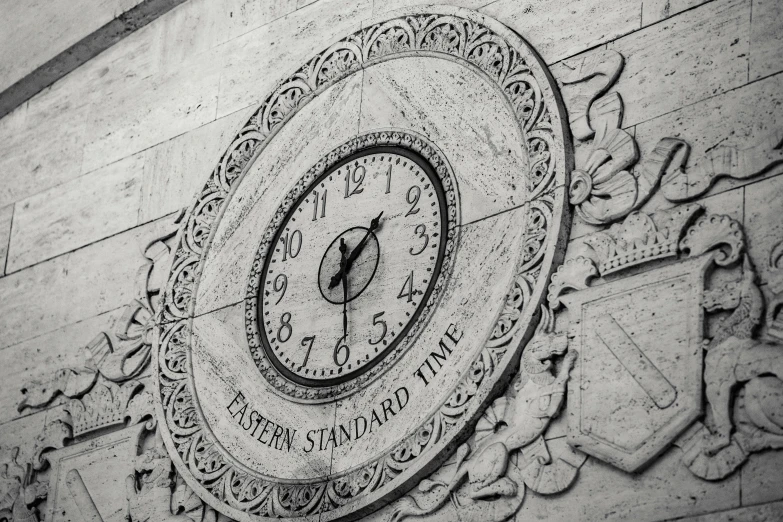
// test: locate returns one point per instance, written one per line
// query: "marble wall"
(685, 95)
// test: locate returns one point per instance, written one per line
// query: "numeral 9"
(280, 284)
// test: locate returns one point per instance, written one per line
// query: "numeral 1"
(388, 180)
(315, 204)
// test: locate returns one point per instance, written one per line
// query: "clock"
(357, 278)
(352, 265)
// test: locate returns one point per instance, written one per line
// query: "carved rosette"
(507, 61)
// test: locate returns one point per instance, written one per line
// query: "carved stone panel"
(84, 487)
(637, 384)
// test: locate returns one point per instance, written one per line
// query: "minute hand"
(336, 278)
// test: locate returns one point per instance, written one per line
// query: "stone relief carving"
(746, 371)
(56, 479)
(487, 478)
(621, 360)
(122, 354)
(149, 490)
(775, 308)
(612, 182)
(463, 39)
(108, 416)
(681, 183)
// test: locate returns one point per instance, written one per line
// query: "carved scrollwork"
(487, 475)
(609, 184)
(120, 355)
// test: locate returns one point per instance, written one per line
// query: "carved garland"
(506, 61)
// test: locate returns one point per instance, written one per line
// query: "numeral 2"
(414, 193)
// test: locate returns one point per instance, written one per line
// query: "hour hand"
(336, 278)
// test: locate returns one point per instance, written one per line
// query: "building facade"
(384, 261)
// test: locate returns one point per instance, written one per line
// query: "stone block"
(654, 11)
(391, 5)
(86, 209)
(75, 286)
(687, 58)
(44, 29)
(174, 171)
(148, 110)
(6, 214)
(762, 477)
(281, 46)
(37, 359)
(772, 512)
(562, 28)
(766, 39)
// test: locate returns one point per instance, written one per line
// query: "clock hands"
(336, 278)
(343, 263)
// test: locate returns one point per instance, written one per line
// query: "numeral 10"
(292, 244)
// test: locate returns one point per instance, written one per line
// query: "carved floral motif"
(486, 474)
(609, 184)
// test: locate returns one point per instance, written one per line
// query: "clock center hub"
(361, 270)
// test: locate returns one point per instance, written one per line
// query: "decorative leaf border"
(505, 59)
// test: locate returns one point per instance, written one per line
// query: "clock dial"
(351, 265)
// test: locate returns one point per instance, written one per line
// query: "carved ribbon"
(680, 184)
(605, 68)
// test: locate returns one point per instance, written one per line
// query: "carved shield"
(638, 380)
(87, 481)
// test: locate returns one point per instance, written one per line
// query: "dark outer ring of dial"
(441, 196)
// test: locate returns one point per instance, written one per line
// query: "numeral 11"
(316, 203)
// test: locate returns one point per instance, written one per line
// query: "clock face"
(351, 266)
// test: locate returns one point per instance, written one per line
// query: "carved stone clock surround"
(502, 59)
